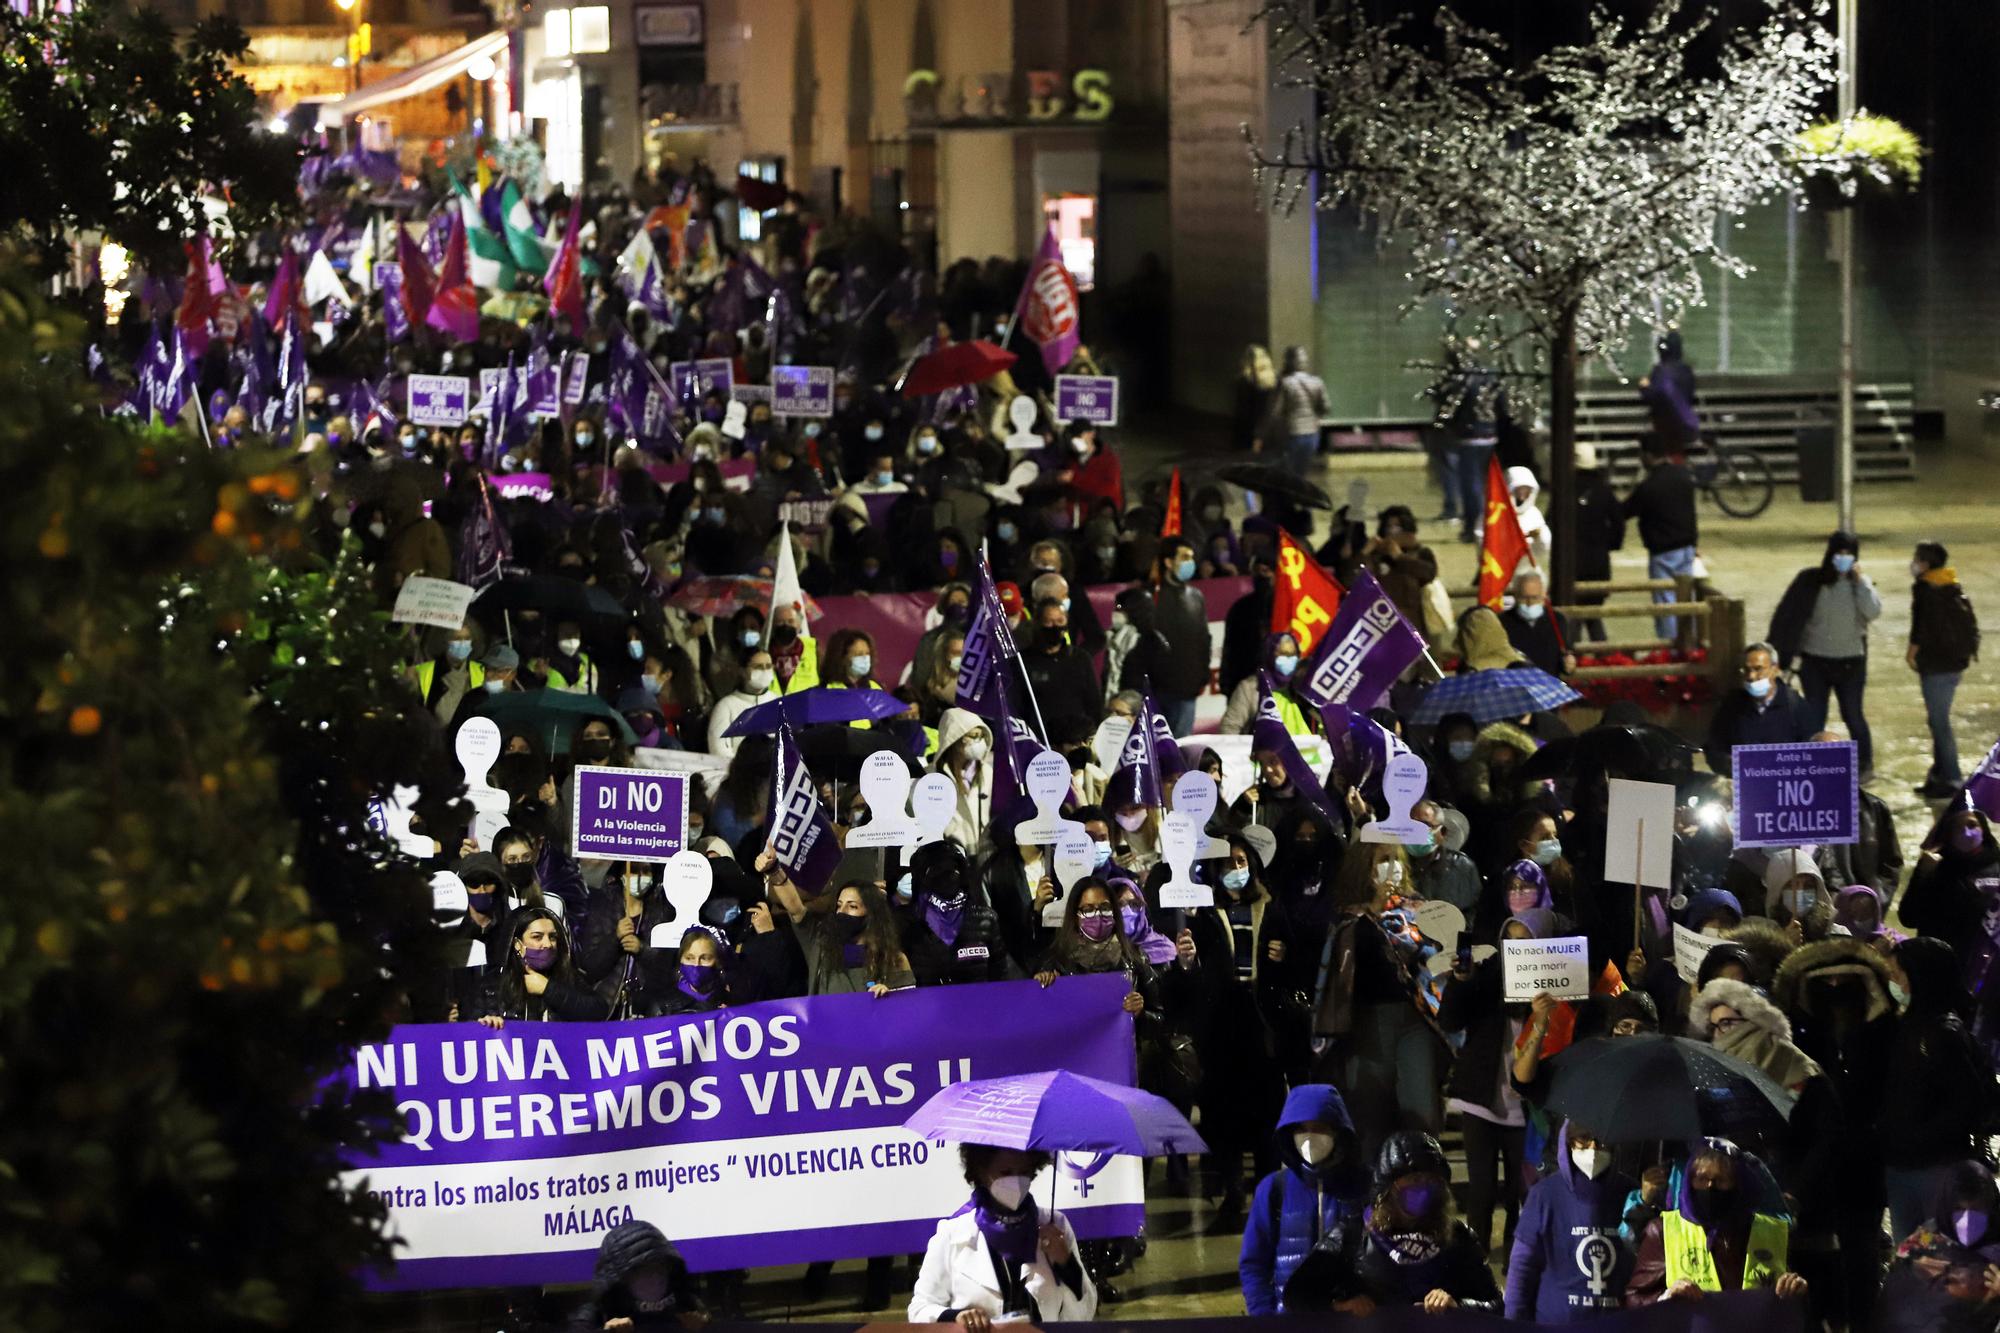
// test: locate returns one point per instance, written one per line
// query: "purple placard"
(1807, 794)
(439, 400)
(714, 374)
(577, 378)
(1092, 398)
(762, 1134)
(534, 485)
(628, 814)
(802, 391)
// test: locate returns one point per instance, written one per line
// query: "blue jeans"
(1300, 450)
(1844, 678)
(1938, 688)
(1179, 714)
(1472, 460)
(1668, 565)
(1444, 460)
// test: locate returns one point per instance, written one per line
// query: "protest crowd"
(682, 558)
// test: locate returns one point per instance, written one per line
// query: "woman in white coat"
(1003, 1254)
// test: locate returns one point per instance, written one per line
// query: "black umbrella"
(1651, 1087)
(550, 595)
(1639, 750)
(836, 751)
(1275, 481)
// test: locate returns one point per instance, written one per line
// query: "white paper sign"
(1558, 967)
(1180, 837)
(1690, 950)
(439, 400)
(1195, 796)
(427, 601)
(1440, 922)
(1109, 742)
(1640, 822)
(447, 898)
(686, 878)
(1402, 787)
(885, 786)
(933, 802)
(1048, 787)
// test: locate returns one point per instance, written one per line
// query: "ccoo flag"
(1368, 645)
(802, 836)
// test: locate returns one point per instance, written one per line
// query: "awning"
(432, 73)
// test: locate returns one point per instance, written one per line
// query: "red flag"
(455, 308)
(1504, 546)
(1305, 597)
(564, 283)
(202, 300)
(419, 283)
(1171, 525)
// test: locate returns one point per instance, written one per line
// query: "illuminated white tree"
(1548, 202)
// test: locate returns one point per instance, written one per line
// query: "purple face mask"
(1134, 918)
(1416, 1199)
(698, 979)
(1968, 837)
(1970, 1225)
(1097, 926)
(481, 903)
(539, 960)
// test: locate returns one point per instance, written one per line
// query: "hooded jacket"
(1296, 1205)
(1568, 1262)
(1534, 527)
(975, 806)
(627, 1248)
(1926, 1300)
(1763, 1039)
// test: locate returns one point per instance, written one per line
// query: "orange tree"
(195, 712)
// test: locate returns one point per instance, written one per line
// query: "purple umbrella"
(1056, 1111)
(819, 704)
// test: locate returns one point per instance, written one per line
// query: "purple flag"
(989, 646)
(437, 236)
(483, 546)
(1368, 645)
(395, 315)
(1982, 789)
(259, 373)
(638, 399)
(1272, 736)
(536, 382)
(500, 414)
(1014, 746)
(1149, 762)
(801, 835)
(1362, 747)
(1048, 310)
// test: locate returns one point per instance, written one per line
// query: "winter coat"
(1297, 1205)
(1930, 598)
(958, 1274)
(1940, 1092)
(1568, 1261)
(1739, 721)
(1916, 1298)
(1476, 1006)
(1600, 525)
(1534, 527)
(626, 1249)
(1948, 896)
(1181, 614)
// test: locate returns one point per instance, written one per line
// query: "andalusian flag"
(488, 262)
(518, 226)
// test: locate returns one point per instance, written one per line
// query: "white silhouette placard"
(447, 898)
(1180, 840)
(1195, 794)
(1021, 414)
(1074, 857)
(1109, 742)
(486, 826)
(1402, 787)
(885, 786)
(1048, 788)
(933, 801)
(734, 419)
(478, 746)
(397, 812)
(687, 879)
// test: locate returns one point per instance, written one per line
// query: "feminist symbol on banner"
(1180, 837)
(1402, 787)
(933, 802)
(885, 786)
(1196, 795)
(1048, 785)
(687, 879)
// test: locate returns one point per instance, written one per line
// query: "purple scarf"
(1013, 1237)
(1157, 948)
(943, 920)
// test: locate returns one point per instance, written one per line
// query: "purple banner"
(1368, 645)
(628, 814)
(765, 1134)
(1795, 795)
(802, 391)
(714, 375)
(440, 400)
(1092, 398)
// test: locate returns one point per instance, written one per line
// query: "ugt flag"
(1306, 596)
(1368, 645)
(1048, 309)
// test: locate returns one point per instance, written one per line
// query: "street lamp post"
(1844, 221)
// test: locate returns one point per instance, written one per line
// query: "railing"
(1705, 619)
(675, 105)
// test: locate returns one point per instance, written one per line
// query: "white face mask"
(1389, 874)
(568, 647)
(759, 679)
(1590, 1161)
(1131, 821)
(1314, 1147)
(975, 749)
(1009, 1191)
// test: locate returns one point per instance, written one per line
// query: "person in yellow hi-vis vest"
(445, 679)
(1718, 1234)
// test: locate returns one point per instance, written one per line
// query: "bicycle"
(1738, 480)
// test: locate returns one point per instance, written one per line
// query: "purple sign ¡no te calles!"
(1793, 795)
(1092, 398)
(761, 1134)
(802, 391)
(628, 814)
(440, 400)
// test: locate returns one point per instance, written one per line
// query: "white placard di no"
(1558, 967)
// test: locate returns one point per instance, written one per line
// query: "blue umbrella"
(821, 703)
(1491, 695)
(1056, 1111)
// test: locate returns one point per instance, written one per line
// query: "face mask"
(1969, 837)
(927, 444)
(1531, 611)
(759, 680)
(905, 887)
(1521, 899)
(1424, 848)
(378, 529)
(1286, 663)
(1969, 1224)
(1119, 620)
(885, 478)
(538, 960)
(1007, 532)
(715, 514)
(480, 902)
(872, 432)
(975, 749)
(568, 647)
(1131, 821)
(1100, 852)
(1800, 901)
(948, 559)
(1009, 1191)
(1389, 874)
(1106, 554)
(649, 1288)
(1590, 1161)
(698, 976)
(1900, 994)
(1131, 915)
(1758, 688)
(858, 665)
(1081, 447)
(458, 650)
(1314, 1146)
(1548, 851)
(1461, 750)
(812, 430)
(652, 683)
(584, 438)
(1842, 563)
(1236, 878)
(1184, 571)
(847, 928)
(1415, 1199)
(1097, 926)
(750, 638)
(520, 874)
(1917, 568)
(635, 649)
(594, 749)
(495, 686)
(1712, 1203)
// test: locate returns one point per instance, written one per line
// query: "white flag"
(785, 590)
(322, 283)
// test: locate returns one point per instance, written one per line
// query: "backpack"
(1953, 631)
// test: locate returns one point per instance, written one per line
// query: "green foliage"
(108, 123)
(1840, 158)
(194, 712)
